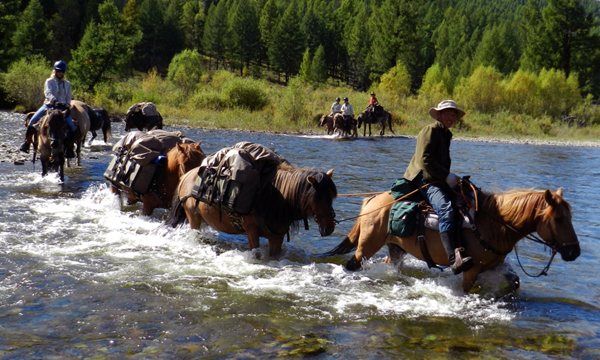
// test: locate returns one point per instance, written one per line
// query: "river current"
(83, 275)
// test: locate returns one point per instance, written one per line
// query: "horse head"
(133, 118)
(184, 157)
(321, 202)
(323, 120)
(362, 117)
(556, 227)
(56, 128)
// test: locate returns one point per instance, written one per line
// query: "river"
(83, 276)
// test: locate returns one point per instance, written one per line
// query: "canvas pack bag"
(403, 214)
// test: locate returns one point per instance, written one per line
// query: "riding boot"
(458, 264)
(29, 135)
(69, 142)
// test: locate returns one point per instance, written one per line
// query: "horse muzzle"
(569, 252)
(326, 223)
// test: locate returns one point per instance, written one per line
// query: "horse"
(135, 118)
(81, 119)
(286, 197)
(340, 125)
(502, 220)
(180, 159)
(380, 116)
(327, 122)
(99, 120)
(51, 142)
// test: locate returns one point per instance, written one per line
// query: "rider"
(58, 94)
(336, 107)
(372, 103)
(431, 165)
(348, 111)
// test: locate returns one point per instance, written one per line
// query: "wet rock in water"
(19, 162)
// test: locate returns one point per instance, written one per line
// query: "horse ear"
(548, 197)
(198, 145)
(179, 147)
(329, 172)
(311, 180)
(65, 112)
(559, 192)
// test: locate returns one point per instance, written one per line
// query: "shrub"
(395, 84)
(211, 100)
(185, 70)
(481, 91)
(558, 95)
(436, 85)
(520, 93)
(246, 93)
(24, 81)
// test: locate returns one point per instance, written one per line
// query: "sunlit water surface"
(81, 275)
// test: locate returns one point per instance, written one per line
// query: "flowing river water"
(83, 276)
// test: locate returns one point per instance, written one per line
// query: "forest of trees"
(353, 41)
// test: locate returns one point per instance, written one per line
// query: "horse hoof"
(256, 254)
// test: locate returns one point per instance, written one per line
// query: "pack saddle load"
(138, 156)
(231, 177)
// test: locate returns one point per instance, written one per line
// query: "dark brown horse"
(99, 119)
(379, 116)
(344, 127)
(51, 142)
(135, 118)
(543, 212)
(327, 122)
(180, 159)
(285, 199)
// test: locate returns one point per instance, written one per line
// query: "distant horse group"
(336, 123)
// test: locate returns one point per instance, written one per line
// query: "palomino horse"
(524, 211)
(379, 116)
(99, 120)
(342, 127)
(81, 119)
(288, 196)
(51, 142)
(180, 159)
(327, 122)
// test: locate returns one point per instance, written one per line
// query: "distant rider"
(58, 94)
(348, 112)
(431, 165)
(336, 107)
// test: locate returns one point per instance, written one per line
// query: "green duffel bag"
(403, 218)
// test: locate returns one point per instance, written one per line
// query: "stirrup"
(461, 263)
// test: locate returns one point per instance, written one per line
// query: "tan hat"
(446, 104)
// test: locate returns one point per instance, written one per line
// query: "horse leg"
(396, 254)
(93, 137)
(369, 243)
(275, 246)
(151, 202)
(469, 278)
(61, 168)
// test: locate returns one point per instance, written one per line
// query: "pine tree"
(244, 33)
(357, 40)
(31, 36)
(192, 23)
(287, 43)
(305, 73)
(149, 51)
(104, 48)
(8, 22)
(215, 32)
(269, 18)
(319, 66)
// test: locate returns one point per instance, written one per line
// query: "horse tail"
(390, 122)
(177, 213)
(344, 247)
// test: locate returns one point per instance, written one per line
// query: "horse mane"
(184, 154)
(520, 207)
(286, 196)
(51, 123)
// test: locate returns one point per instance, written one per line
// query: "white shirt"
(347, 109)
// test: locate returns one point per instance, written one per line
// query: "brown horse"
(525, 211)
(379, 116)
(51, 142)
(343, 127)
(288, 196)
(81, 119)
(180, 159)
(327, 122)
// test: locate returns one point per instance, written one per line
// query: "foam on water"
(102, 242)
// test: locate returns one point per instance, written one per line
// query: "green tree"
(305, 73)
(185, 70)
(395, 85)
(149, 51)
(104, 48)
(287, 43)
(437, 85)
(24, 80)
(8, 21)
(319, 66)
(31, 36)
(244, 33)
(498, 48)
(357, 40)
(269, 17)
(192, 23)
(215, 32)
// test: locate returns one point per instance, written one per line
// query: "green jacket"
(432, 154)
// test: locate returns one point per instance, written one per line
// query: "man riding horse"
(374, 104)
(429, 170)
(336, 107)
(348, 111)
(58, 94)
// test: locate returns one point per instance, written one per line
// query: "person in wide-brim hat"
(446, 104)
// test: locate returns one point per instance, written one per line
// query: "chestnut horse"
(81, 119)
(327, 122)
(286, 197)
(524, 211)
(180, 159)
(51, 142)
(342, 127)
(379, 116)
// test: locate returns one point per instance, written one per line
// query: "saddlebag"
(129, 174)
